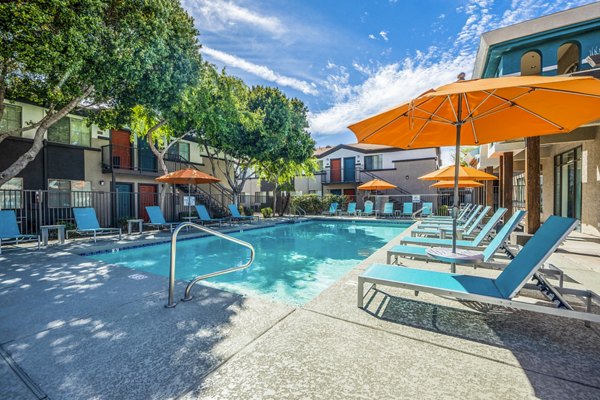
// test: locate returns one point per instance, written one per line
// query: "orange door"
(336, 170)
(121, 149)
(148, 197)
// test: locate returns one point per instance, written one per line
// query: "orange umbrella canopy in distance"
(377, 184)
(464, 173)
(187, 176)
(461, 184)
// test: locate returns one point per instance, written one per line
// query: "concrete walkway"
(72, 327)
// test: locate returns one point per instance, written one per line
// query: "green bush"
(311, 203)
(334, 198)
(247, 211)
(267, 212)
(443, 210)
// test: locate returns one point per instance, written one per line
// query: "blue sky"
(349, 59)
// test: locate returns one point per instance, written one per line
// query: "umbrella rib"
(489, 94)
(565, 92)
(506, 102)
(427, 122)
(432, 114)
(512, 103)
(452, 107)
(471, 120)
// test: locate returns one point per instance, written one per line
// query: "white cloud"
(261, 71)
(384, 35)
(371, 36)
(221, 15)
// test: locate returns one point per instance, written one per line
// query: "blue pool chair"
(499, 291)
(368, 211)
(351, 210)
(477, 241)
(464, 211)
(407, 209)
(157, 218)
(461, 223)
(87, 222)
(9, 230)
(388, 210)
(427, 210)
(498, 242)
(205, 218)
(467, 229)
(332, 209)
(236, 216)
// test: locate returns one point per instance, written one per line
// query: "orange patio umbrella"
(461, 184)
(377, 184)
(188, 176)
(464, 173)
(479, 111)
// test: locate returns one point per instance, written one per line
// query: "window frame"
(70, 133)
(15, 196)
(371, 156)
(5, 118)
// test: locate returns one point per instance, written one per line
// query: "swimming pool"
(294, 262)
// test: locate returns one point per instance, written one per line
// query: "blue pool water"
(294, 262)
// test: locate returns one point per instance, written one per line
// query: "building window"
(11, 119)
(373, 162)
(179, 152)
(66, 193)
(11, 194)
(319, 165)
(70, 131)
(531, 63)
(568, 58)
(567, 184)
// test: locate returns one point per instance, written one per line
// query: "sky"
(349, 59)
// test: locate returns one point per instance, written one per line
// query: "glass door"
(567, 184)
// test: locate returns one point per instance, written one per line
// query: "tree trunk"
(21, 162)
(160, 156)
(275, 197)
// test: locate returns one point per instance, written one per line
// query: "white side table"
(461, 256)
(60, 229)
(130, 223)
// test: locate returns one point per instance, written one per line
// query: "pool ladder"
(188, 296)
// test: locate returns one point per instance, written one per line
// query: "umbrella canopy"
(490, 110)
(464, 173)
(461, 184)
(377, 184)
(188, 176)
(481, 111)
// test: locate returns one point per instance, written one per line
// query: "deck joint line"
(22, 375)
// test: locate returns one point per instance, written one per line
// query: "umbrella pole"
(189, 200)
(457, 165)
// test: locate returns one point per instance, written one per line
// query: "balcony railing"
(133, 159)
(340, 175)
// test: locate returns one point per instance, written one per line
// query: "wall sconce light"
(407, 177)
(101, 183)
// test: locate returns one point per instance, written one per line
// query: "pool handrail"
(187, 297)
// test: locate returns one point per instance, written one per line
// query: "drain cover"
(138, 277)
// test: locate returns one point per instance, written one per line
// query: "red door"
(148, 197)
(121, 149)
(351, 194)
(336, 170)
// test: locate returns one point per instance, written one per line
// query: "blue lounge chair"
(236, 216)
(407, 209)
(87, 222)
(499, 291)
(351, 210)
(488, 253)
(157, 218)
(9, 230)
(476, 242)
(368, 211)
(332, 209)
(426, 210)
(205, 218)
(388, 210)
(467, 229)
(461, 215)
(461, 223)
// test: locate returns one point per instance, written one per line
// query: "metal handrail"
(299, 210)
(171, 303)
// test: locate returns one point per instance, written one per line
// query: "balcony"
(135, 160)
(339, 175)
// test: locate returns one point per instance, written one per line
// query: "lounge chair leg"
(361, 294)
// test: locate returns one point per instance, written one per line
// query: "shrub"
(247, 210)
(267, 212)
(311, 203)
(334, 198)
(443, 210)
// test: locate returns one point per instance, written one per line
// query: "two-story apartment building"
(78, 163)
(565, 43)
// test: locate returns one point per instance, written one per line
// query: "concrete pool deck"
(72, 327)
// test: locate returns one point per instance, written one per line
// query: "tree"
(464, 152)
(104, 55)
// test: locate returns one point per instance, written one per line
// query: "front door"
(147, 160)
(349, 169)
(567, 184)
(350, 194)
(124, 200)
(336, 170)
(148, 197)
(121, 149)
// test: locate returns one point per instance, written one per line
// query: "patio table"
(60, 229)
(461, 256)
(130, 223)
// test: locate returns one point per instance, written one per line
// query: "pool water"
(293, 264)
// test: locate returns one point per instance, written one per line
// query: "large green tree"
(104, 55)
